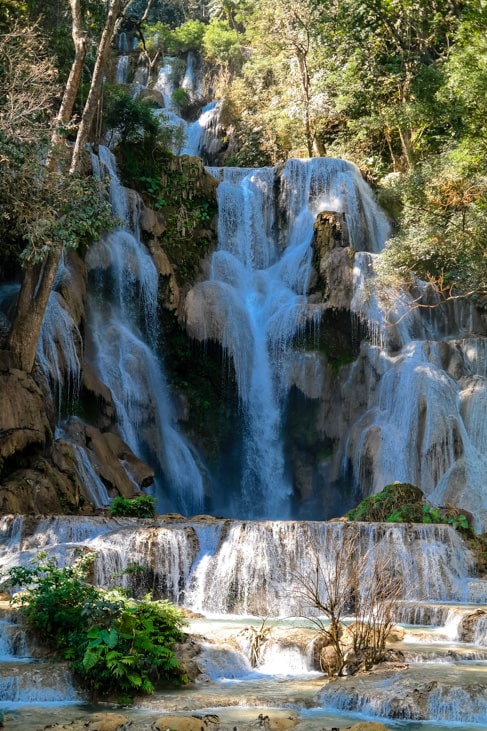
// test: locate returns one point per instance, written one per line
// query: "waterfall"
(123, 332)
(190, 81)
(60, 342)
(165, 83)
(257, 295)
(254, 568)
(249, 568)
(428, 398)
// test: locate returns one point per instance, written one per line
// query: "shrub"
(180, 98)
(142, 506)
(188, 36)
(129, 649)
(222, 44)
(55, 598)
(117, 646)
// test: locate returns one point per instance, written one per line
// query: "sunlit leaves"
(443, 228)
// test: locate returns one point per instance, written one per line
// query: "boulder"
(108, 722)
(97, 722)
(151, 96)
(49, 485)
(468, 625)
(187, 723)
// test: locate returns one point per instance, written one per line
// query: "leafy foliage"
(141, 506)
(188, 37)
(39, 210)
(118, 646)
(130, 118)
(223, 44)
(54, 599)
(443, 228)
(185, 195)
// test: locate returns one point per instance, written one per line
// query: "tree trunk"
(31, 307)
(39, 278)
(74, 79)
(115, 11)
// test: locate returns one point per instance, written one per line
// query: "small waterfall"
(123, 330)
(190, 81)
(201, 136)
(123, 45)
(122, 69)
(92, 483)
(247, 568)
(165, 83)
(60, 342)
(442, 430)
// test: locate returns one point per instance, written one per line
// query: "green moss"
(398, 502)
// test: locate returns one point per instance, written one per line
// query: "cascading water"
(240, 567)
(60, 342)
(201, 135)
(123, 332)
(256, 299)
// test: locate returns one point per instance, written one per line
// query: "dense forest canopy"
(397, 86)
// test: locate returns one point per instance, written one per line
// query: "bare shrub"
(347, 581)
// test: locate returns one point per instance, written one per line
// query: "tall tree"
(42, 266)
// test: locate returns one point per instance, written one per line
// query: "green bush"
(180, 98)
(131, 118)
(142, 506)
(188, 36)
(222, 44)
(118, 646)
(54, 600)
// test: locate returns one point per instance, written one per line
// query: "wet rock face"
(333, 260)
(472, 626)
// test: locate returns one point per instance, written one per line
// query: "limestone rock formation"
(114, 462)
(151, 96)
(26, 415)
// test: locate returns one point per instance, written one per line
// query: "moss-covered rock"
(400, 499)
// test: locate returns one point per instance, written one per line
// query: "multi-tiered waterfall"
(408, 404)
(230, 569)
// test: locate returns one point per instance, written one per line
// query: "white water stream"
(123, 333)
(255, 301)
